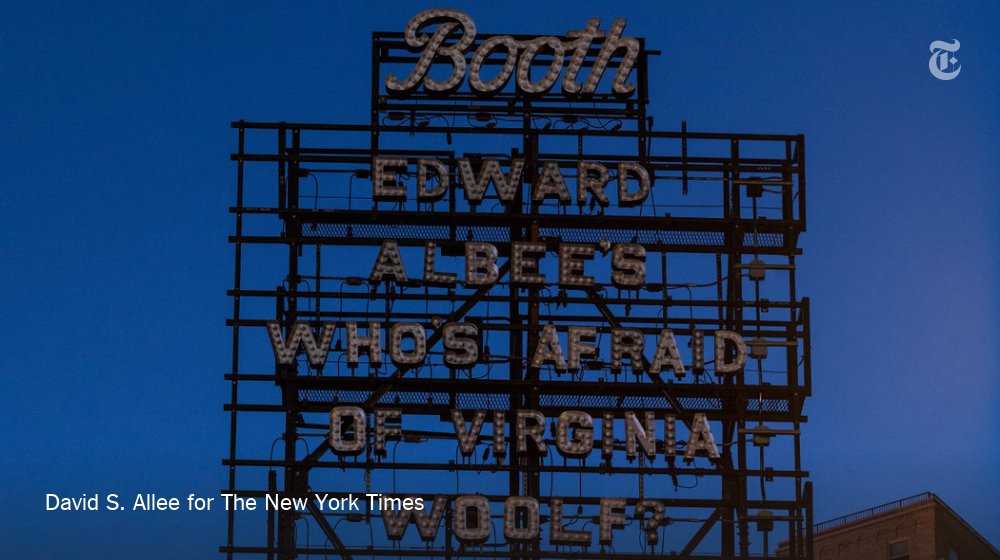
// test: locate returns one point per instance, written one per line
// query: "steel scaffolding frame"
(746, 243)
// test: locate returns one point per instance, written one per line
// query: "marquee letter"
(571, 259)
(467, 438)
(482, 53)
(627, 343)
(524, 256)
(667, 354)
(433, 49)
(480, 264)
(551, 183)
(385, 430)
(499, 445)
(432, 276)
(585, 182)
(373, 341)
(384, 185)
(388, 263)
(625, 198)
(429, 522)
(578, 340)
(582, 442)
(535, 431)
(701, 439)
(338, 418)
(720, 352)
(438, 168)
(612, 516)
(474, 509)
(461, 347)
(558, 533)
(580, 47)
(654, 521)
(531, 49)
(415, 356)
(302, 335)
(475, 185)
(628, 265)
(612, 43)
(646, 435)
(511, 530)
(548, 349)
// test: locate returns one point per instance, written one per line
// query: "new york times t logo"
(943, 65)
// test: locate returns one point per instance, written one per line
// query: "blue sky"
(117, 181)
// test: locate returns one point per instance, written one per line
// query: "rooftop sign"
(519, 56)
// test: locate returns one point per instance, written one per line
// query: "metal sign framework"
(722, 242)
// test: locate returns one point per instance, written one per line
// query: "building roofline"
(873, 511)
(898, 504)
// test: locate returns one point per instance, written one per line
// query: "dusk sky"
(117, 183)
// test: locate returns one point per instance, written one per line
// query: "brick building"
(920, 527)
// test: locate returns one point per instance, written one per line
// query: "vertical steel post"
(235, 363)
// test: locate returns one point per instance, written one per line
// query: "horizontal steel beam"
(289, 126)
(538, 468)
(565, 553)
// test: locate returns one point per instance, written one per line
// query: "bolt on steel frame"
(721, 229)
